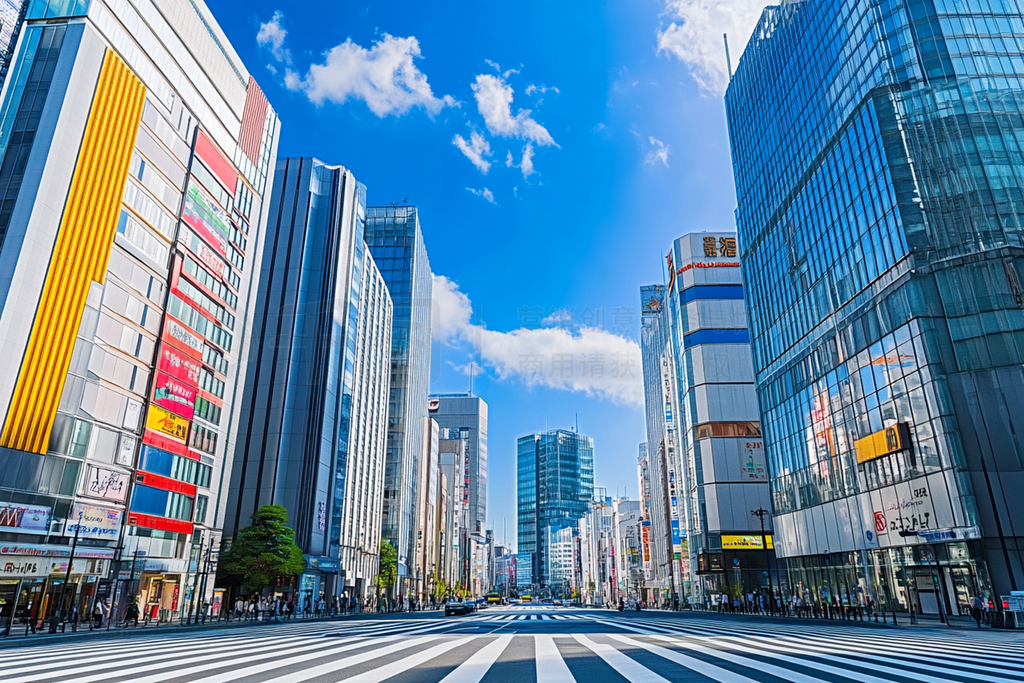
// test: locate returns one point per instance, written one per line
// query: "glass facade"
(880, 182)
(555, 485)
(396, 243)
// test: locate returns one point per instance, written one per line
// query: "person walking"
(132, 613)
(976, 609)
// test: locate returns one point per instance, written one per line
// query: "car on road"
(526, 598)
(557, 603)
(455, 607)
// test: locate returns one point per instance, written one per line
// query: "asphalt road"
(526, 644)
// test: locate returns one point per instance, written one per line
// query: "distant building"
(719, 425)
(669, 553)
(319, 358)
(555, 483)
(396, 242)
(466, 412)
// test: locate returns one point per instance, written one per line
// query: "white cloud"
(534, 89)
(494, 101)
(475, 150)
(385, 77)
(485, 193)
(272, 34)
(526, 165)
(588, 360)
(509, 161)
(695, 36)
(659, 152)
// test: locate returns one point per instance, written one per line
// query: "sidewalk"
(43, 637)
(923, 622)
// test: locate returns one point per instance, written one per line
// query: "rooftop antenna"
(472, 371)
(577, 422)
(728, 60)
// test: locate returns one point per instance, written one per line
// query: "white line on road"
(402, 665)
(474, 668)
(551, 667)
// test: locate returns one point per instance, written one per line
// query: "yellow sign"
(165, 422)
(752, 542)
(890, 440)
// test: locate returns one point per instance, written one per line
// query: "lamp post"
(760, 514)
(67, 575)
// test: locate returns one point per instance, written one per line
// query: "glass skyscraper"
(555, 484)
(877, 152)
(396, 242)
(321, 343)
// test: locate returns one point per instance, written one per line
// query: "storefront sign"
(178, 365)
(30, 550)
(702, 264)
(164, 422)
(24, 519)
(101, 482)
(179, 333)
(961, 533)
(206, 218)
(174, 395)
(752, 542)
(885, 442)
(95, 522)
(24, 566)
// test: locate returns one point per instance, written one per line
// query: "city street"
(524, 644)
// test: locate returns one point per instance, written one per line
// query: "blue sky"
(613, 144)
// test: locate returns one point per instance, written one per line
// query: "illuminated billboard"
(174, 395)
(206, 218)
(178, 365)
(165, 422)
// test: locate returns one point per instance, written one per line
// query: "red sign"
(216, 162)
(175, 396)
(163, 483)
(178, 365)
(880, 524)
(164, 443)
(689, 266)
(161, 523)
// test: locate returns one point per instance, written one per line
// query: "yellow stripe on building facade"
(80, 255)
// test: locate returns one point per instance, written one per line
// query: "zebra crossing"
(587, 647)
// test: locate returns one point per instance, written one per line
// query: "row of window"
(208, 304)
(208, 280)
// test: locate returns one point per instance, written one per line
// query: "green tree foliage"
(264, 552)
(387, 569)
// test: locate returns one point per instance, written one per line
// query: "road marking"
(474, 668)
(551, 667)
(631, 670)
(692, 663)
(402, 665)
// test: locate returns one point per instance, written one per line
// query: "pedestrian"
(132, 613)
(976, 609)
(97, 614)
(354, 604)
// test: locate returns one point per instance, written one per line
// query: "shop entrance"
(8, 601)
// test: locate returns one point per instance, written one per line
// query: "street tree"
(387, 568)
(264, 552)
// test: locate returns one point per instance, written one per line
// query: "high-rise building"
(670, 565)
(643, 476)
(452, 446)
(12, 17)
(879, 181)
(426, 489)
(724, 477)
(625, 549)
(131, 228)
(555, 483)
(466, 412)
(396, 242)
(595, 546)
(313, 417)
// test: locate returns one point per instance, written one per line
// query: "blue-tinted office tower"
(311, 426)
(555, 486)
(877, 151)
(396, 242)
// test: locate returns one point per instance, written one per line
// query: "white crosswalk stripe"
(585, 647)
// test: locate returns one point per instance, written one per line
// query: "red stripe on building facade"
(254, 118)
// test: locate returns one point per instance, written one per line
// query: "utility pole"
(61, 610)
(760, 514)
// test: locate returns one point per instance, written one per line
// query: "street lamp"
(760, 514)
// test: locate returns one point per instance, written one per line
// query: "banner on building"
(107, 484)
(174, 395)
(95, 522)
(745, 542)
(165, 422)
(24, 519)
